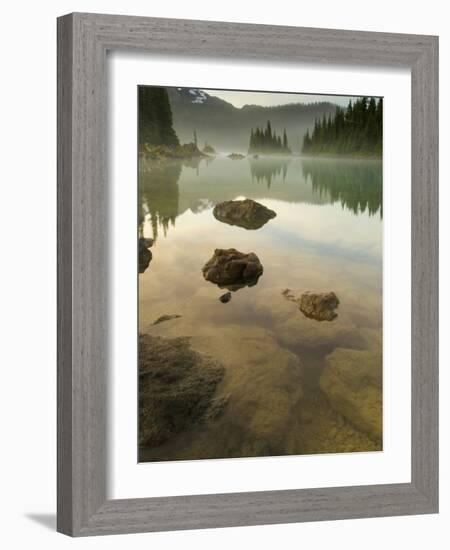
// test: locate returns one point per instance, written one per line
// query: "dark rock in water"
(167, 317)
(225, 298)
(236, 156)
(145, 255)
(319, 306)
(246, 213)
(232, 269)
(148, 243)
(176, 388)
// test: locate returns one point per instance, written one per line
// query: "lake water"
(326, 236)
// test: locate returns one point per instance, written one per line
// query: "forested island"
(267, 141)
(354, 131)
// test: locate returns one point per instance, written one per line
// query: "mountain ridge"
(227, 128)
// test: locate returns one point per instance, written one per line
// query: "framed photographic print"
(247, 274)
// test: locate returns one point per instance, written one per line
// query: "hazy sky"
(238, 99)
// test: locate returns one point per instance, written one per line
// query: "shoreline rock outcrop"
(176, 152)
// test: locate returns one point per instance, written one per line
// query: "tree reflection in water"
(159, 195)
(265, 170)
(357, 185)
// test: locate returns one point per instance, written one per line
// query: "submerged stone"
(236, 156)
(177, 388)
(352, 382)
(166, 317)
(231, 269)
(247, 213)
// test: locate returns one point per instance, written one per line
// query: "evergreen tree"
(355, 130)
(155, 117)
(268, 135)
(267, 141)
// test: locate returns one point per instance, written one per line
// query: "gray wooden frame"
(83, 40)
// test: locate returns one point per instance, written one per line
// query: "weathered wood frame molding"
(83, 41)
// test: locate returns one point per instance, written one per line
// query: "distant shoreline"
(324, 156)
(189, 155)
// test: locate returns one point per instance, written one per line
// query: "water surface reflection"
(286, 376)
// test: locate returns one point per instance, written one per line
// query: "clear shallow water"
(327, 236)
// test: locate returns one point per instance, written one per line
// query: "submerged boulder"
(236, 156)
(145, 255)
(177, 388)
(231, 269)
(262, 385)
(352, 382)
(246, 213)
(320, 307)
